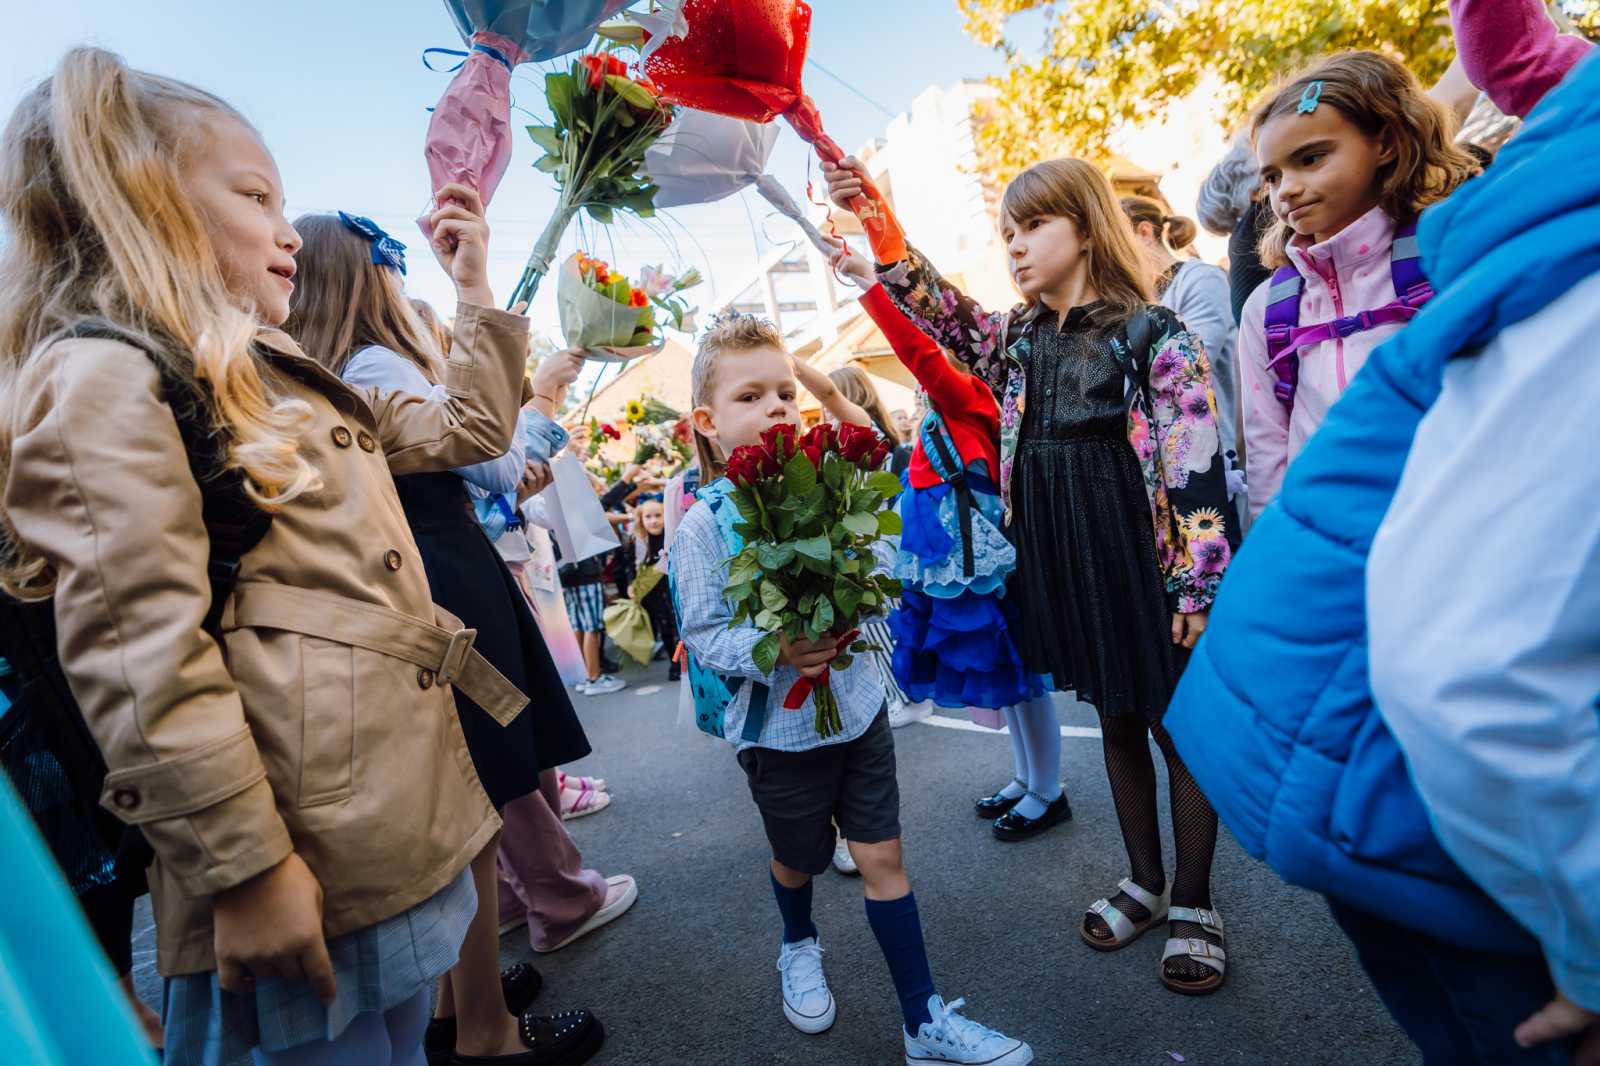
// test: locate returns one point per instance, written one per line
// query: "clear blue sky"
(339, 92)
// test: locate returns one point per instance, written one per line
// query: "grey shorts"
(802, 794)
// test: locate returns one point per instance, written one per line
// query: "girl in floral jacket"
(1115, 492)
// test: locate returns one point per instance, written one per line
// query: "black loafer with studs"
(519, 984)
(567, 1038)
(994, 806)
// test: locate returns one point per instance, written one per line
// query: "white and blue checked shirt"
(699, 565)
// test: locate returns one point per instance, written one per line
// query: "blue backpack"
(714, 693)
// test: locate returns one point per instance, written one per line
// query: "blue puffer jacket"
(1274, 715)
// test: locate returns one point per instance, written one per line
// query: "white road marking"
(973, 727)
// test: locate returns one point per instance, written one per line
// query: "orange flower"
(601, 65)
(637, 298)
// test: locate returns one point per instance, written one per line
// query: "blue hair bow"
(386, 251)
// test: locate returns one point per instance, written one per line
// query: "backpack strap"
(234, 523)
(935, 433)
(755, 715)
(1282, 322)
(1285, 336)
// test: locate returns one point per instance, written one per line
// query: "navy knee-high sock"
(899, 931)
(794, 904)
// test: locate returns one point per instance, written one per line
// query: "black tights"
(1132, 773)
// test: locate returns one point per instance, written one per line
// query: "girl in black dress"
(352, 316)
(1115, 494)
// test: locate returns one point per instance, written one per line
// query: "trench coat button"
(391, 559)
(126, 799)
(424, 679)
(367, 443)
(341, 436)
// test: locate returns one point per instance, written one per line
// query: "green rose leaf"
(842, 662)
(861, 524)
(846, 595)
(767, 620)
(772, 597)
(822, 617)
(814, 548)
(884, 484)
(799, 476)
(550, 164)
(600, 213)
(889, 524)
(774, 556)
(766, 653)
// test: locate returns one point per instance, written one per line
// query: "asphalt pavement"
(688, 976)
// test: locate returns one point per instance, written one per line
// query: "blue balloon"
(542, 29)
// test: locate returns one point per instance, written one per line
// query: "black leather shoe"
(565, 1039)
(519, 984)
(1012, 826)
(994, 806)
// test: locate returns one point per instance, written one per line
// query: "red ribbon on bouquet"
(801, 689)
(745, 60)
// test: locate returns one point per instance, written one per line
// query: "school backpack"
(45, 746)
(713, 693)
(1285, 335)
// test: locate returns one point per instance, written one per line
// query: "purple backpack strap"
(1282, 320)
(1411, 286)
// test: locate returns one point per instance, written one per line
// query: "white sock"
(1019, 756)
(1041, 737)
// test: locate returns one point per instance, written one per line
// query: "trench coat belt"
(448, 653)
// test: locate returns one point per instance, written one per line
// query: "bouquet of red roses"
(812, 507)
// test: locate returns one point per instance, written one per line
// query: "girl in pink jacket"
(1350, 153)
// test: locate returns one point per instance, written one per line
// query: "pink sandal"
(575, 782)
(581, 801)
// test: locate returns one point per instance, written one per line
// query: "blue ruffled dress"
(953, 630)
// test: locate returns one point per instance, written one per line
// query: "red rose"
(822, 436)
(601, 65)
(881, 452)
(857, 442)
(812, 452)
(683, 431)
(745, 466)
(769, 464)
(780, 441)
(611, 431)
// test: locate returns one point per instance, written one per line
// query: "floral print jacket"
(1172, 418)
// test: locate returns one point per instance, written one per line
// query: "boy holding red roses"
(807, 771)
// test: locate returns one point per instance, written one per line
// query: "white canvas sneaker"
(950, 1038)
(843, 861)
(604, 686)
(807, 1003)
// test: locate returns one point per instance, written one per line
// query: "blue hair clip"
(1309, 99)
(386, 251)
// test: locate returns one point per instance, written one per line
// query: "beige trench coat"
(324, 724)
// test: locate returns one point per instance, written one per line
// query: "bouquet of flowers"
(602, 121)
(603, 312)
(812, 508)
(664, 291)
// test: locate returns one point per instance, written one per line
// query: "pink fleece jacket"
(1347, 273)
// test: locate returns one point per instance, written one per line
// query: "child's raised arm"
(939, 309)
(828, 395)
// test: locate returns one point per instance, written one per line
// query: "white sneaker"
(952, 1038)
(581, 688)
(842, 859)
(903, 714)
(807, 1003)
(604, 686)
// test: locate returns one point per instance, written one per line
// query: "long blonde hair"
(345, 302)
(98, 225)
(856, 387)
(1382, 98)
(1074, 189)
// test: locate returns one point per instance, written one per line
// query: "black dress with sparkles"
(1089, 586)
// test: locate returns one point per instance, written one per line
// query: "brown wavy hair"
(1382, 98)
(1175, 231)
(1072, 188)
(345, 302)
(98, 226)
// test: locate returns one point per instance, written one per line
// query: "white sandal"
(1202, 951)
(1125, 930)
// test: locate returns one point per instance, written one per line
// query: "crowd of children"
(274, 546)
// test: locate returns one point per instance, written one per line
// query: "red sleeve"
(920, 353)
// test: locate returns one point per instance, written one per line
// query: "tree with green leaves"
(1106, 64)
